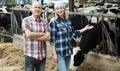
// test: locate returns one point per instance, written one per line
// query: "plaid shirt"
(61, 36)
(34, 48)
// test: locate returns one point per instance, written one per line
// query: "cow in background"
(5, 27)
(5, 21)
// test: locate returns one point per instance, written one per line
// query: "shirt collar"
(61, 19)
(39, 20)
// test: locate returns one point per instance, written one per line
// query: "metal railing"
(112, 48)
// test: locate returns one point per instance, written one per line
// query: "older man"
(36, 33)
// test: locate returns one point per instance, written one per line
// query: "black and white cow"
(91, 38)
(5, 27)
(87, 42)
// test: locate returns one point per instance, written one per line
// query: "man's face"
(36, 9)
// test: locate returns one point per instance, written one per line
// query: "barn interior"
(105, 54)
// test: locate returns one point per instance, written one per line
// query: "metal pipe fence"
(112, 47)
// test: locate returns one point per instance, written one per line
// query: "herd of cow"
(105, 29)
(10, 23)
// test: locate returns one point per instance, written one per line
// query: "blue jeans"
(31, 64)
(63, 63)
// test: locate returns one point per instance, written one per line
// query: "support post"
(71, 5)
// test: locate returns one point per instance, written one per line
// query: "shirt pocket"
(61, 27)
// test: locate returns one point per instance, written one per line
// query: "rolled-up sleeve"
(52, 32)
